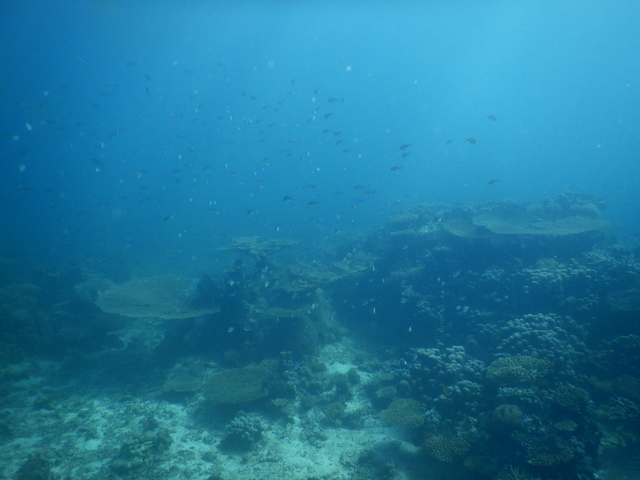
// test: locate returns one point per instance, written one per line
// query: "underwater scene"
(319, 240)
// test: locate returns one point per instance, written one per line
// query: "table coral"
(236, 385)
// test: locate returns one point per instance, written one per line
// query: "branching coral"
(243, 432)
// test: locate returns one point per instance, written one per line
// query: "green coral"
(404, 413)
(236, 385)
(517, 369)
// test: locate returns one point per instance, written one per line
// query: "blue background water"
(140, 111)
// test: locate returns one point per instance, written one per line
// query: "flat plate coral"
(164, 296)
(526, 225)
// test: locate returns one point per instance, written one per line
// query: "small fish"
(287, 199)
(396, 169)
(493, 182)
(168, 218)
(471, 140)
(311, 186)
(250, 212)
(369, 192)
(327, 115)
(492, 118)
(405, 154)
(313, 202)
(437, 219)
(405, 146)
(449, 142)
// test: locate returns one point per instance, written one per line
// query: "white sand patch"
(82, 435)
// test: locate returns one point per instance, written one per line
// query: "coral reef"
(552, 339)
(502, 337)
(449, 379)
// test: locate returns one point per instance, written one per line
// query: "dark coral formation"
(502, 338)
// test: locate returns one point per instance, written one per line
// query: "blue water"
(162, 129)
